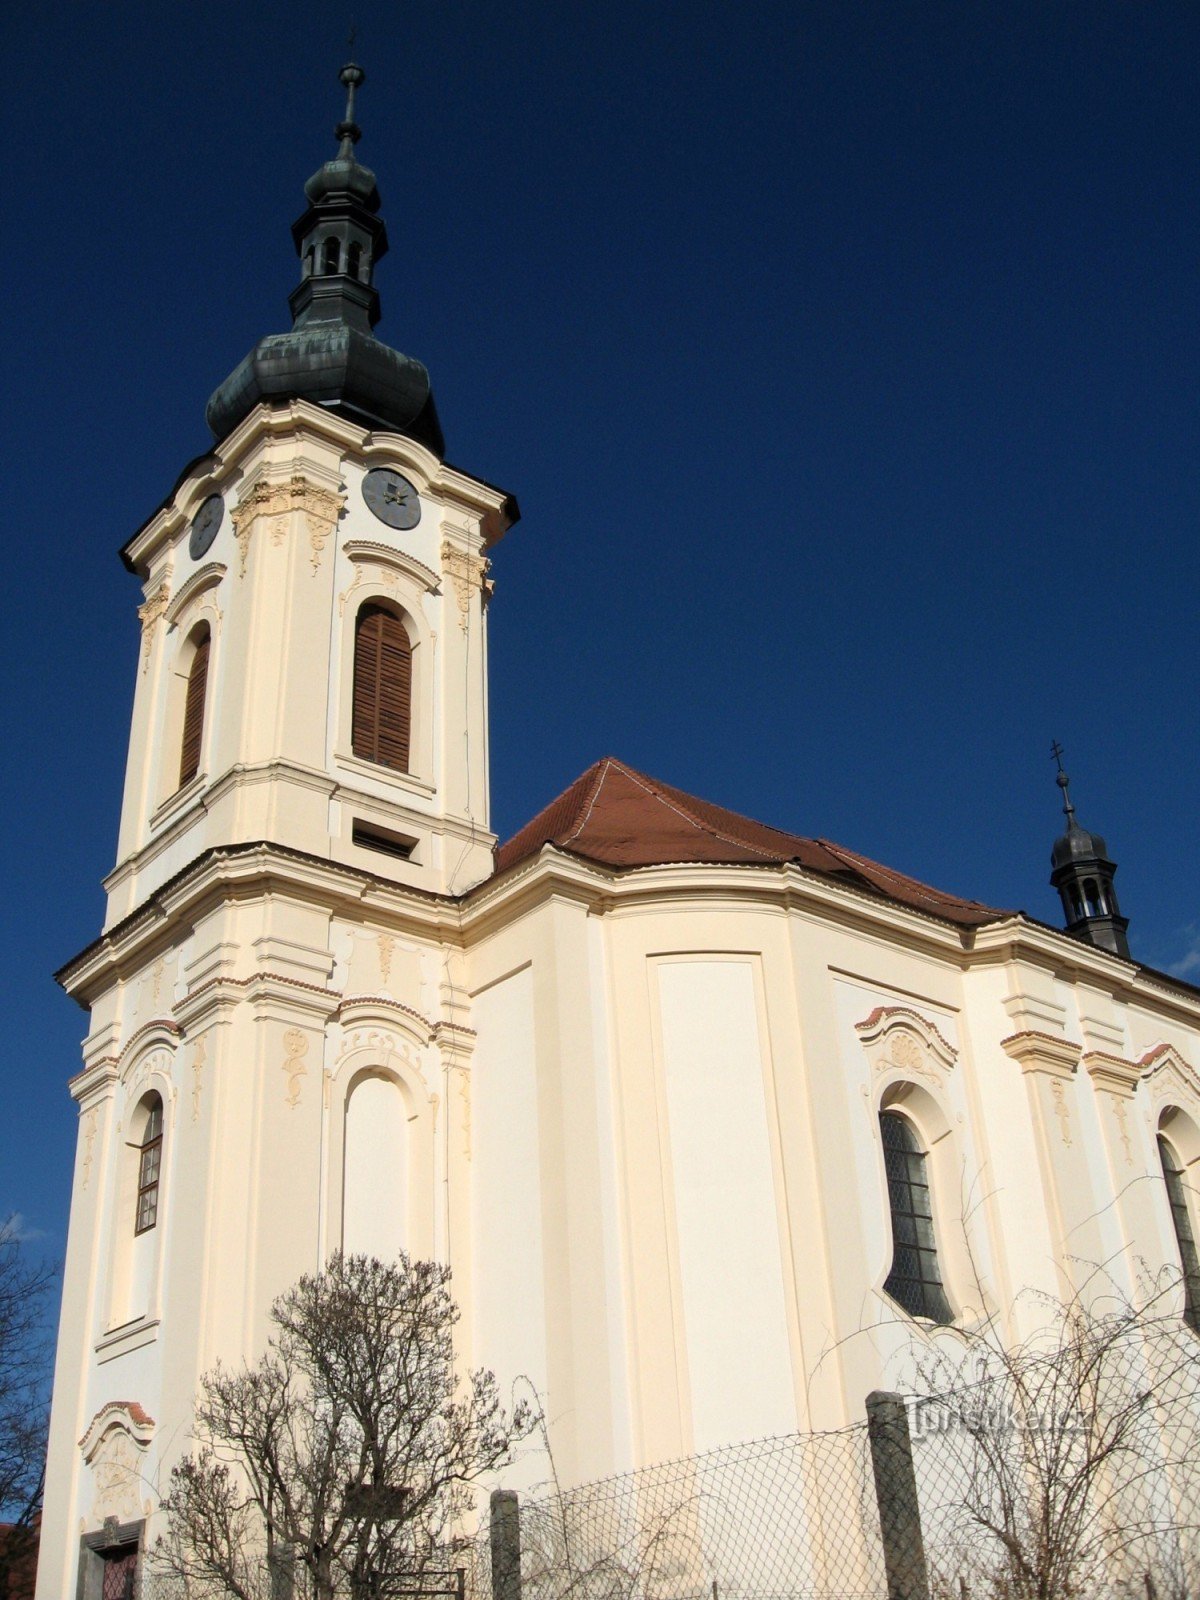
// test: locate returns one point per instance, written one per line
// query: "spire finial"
(1063, 782)
(347, 130)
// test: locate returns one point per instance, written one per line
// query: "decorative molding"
(467, 573)
(165, 1030)
(114, 1447)
(357, 1011)
(295, 1044)
(1043, 1052)
(464, 1094)
(1170, 1078)
(385, 944)
(1120, 1112)
(89, 1139)
(1061, 1109)
(199, 1060)
(389, 563)
(128, 1414)
(899, 1039)
(275, 500)
(1114, 1073)
(137, 1077)
(152, 608)
(204, 578)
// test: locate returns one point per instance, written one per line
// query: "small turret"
(1083, 874)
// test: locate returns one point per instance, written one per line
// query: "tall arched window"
(354, 260)
(915, 1279)
(149, 1167)
(1184, 1237)
(382, 719)
(193, 712)
(332, 253)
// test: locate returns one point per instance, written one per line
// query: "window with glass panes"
(915, 1280)
(149, 1166)
(1184, 1237)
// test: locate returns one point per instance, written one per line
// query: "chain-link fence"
(1068, 1467)
(792, 1516)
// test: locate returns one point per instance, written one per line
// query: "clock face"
(205, 526)
(392, 498)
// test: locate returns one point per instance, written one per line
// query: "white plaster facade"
(636, 1111)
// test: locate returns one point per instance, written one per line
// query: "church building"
(686, 1101)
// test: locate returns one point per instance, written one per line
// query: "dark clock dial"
(392, 498)
(205, 526)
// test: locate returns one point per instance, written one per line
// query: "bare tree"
(1068, 1463)
(343, 1459)
(25, 1366)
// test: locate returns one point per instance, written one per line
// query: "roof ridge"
(675, 798)
(586, 809)
(856, 857)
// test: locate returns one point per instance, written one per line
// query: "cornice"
(1111, 1072)
(1043, 1052)
(236, 872)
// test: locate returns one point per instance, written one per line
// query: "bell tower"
(315, 588)
(279, 1043)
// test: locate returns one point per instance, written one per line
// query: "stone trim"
(1112, 1072)
(1043, 1052)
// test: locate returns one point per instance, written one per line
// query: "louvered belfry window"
(382, 688)
(193, 714)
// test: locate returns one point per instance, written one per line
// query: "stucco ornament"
(149, 612)
(385, 944)
(321, 508)
(89, 1139)
(199, 1055)
(898, 1039)
(295, 1044)
(467, 573)
(114, 1446)
(1061, 1109)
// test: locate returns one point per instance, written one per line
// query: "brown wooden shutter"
(193, 714)
(382, 688)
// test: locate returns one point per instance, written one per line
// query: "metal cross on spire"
(1056, 752)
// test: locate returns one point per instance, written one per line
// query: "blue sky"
(843, 358)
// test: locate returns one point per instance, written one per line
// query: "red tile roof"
(621, 818)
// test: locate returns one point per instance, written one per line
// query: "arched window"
(331, 256)
(1184, 1238)
(193, 712)
(354, 260)
(915, 1279)
(382, 718)
(149, 1167)
(309, 256)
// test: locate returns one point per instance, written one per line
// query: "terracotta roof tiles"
(620, 818)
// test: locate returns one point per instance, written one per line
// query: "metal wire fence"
(792, 1516)
(1068, 1468)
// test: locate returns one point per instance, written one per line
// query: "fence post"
(505, 1530)
(896, 1493)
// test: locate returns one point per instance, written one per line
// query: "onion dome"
(1083, 874)
(331, 355)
